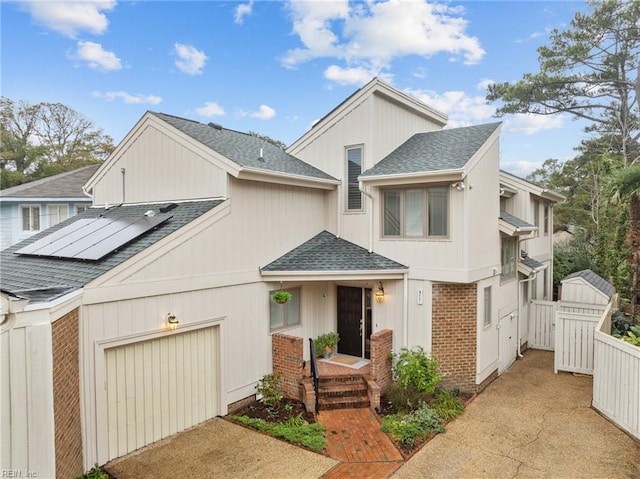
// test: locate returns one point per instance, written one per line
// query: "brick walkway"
(354, 438)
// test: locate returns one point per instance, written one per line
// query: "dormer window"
(354, 168)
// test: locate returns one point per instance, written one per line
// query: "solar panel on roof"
(93, 238)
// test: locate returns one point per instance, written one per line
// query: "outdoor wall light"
(459, 185)
(380, 293)
(172, 321)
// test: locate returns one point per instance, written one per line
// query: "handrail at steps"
(315, 375)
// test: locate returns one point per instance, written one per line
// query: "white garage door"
(158, 387)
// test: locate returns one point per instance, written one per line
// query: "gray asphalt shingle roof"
(515, 221)
(64, 185)
(244, 149)
(595, 280)
(434, 151)
(46, 278)
(532, 263)
(327, 252)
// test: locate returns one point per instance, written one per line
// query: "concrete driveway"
(529, 423)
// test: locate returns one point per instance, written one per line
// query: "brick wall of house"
(66, 396)
(288, 360)
(454, 333)
(381, 346)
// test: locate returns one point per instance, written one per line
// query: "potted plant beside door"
(325, 344)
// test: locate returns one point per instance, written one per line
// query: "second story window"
(508, 259)
(354, 168)
(57, 213)
(30, 218)
(416, 212)
(546, 220)
(536, 213)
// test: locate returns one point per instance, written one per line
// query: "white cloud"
(265, 112)
(128, 98)
(521, 168)
(348, 76)
(71, 17)
(370, 35)
(97, 57)
(210, 108)
(530, 124)
(461, 108)
(190, 60)
(243, 10)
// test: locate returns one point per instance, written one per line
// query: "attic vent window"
(215, 125)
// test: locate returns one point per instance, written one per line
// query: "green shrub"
(405, 399)
(269, 388)
(418, 424)
(447, 404)
(94, 473)
(413, 368)
(295, 430)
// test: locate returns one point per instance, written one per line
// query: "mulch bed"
(287, 408)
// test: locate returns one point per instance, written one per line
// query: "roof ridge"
(46, 179)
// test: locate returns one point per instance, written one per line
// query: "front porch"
(339, 385)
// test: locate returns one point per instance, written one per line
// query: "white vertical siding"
(577, 290)
(26, 399)
(574, 341)
(158, 168)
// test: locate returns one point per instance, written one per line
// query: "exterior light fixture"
(172, 321)
(459, 185)
(380, 293)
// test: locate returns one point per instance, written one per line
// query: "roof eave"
(512, 230)
(405, 178)
(334, 275)
(269, 176)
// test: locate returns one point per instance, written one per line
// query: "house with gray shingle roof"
(32, 207)
(152, 311)
(586, 287)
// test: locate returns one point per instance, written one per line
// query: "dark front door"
(349, 320)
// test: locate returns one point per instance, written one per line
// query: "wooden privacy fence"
(616, 377)
(575, 328)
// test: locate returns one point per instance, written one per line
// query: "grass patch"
(447, 404)
(295, 430)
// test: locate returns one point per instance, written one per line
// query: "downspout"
(520, 283)
(405, 311)
(361, 188)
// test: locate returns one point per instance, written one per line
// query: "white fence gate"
(575, 327)
(542, 320)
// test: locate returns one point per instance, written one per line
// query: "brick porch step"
(342, 392)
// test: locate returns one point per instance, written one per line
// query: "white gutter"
(405, 312)
(361, 188)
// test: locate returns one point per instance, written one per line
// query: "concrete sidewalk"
(529, 423)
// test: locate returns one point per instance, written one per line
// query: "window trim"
(30, 207)
(425, 212)
(50, 213)
(286, 325)
(486, 320)
(512, 276)
(347, 182)
(547, 217)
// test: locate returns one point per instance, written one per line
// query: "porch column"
(287, 360)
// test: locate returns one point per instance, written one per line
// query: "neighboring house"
(129, 337)
(32, 207)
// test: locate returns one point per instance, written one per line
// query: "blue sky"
(276, 67)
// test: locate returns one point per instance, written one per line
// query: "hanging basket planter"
(281, 297)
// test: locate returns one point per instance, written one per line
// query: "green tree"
(45, 139)
(591, 72)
